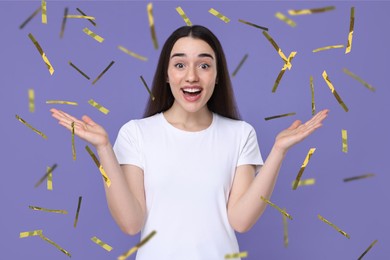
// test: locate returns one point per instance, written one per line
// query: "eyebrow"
(201, 55)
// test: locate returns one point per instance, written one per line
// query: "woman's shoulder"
(143, 122)
(235, 124)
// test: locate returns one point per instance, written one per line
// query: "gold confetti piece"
(151, 25)
(50, 170)
(43, 55)
(147, 88)
(81, 12)
(243, 254)
(350, 34)
(311, 11)
(334, 226)
(306, 182)
(103, 173)
(62, 102)
(285, 19)
(359, 177)
(104, 71)
(135, 55)
(344, 137)
(254, 25)
(137, 246)
(346, 71)
(240, 65)
(278, 116)
(44, 12)
(63, 22)
(184, 16)
(73, 146)
(31, 100)
(60, 211)
(93, 35)
(328, 48)
(285, 230)
(80, 16)
(276, 207)
(80, 71)
(76, 219)
(102, 244)
(281, 54)
(304, 164)
(336, 95)
(30, 126)
(313, 104)
(30, 17)
(30, 233)
(368, 249)
(281, 73)
(98, 106)
(49, 182)
(219, 15)
(55, 244)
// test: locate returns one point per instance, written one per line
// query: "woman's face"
(192, 73)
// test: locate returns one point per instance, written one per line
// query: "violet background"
(360, 208)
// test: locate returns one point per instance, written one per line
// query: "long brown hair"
(222, 100)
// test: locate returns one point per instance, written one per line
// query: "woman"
(188, 169)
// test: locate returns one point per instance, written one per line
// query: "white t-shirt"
(187, 178)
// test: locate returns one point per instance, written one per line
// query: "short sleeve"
(127, 145)
(250, 151)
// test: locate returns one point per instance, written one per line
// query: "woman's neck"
(189, 121)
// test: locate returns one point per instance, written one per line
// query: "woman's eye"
(204, 66)
(179, 65)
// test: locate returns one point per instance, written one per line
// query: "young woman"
(188, 169)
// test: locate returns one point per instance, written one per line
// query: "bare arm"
(245, 205)
(125, 196)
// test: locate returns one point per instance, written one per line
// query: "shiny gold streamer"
(76, 219)
(328, 48)
(103, 72)
(240, 65)
(102, 244)
(30, 233)
(73, 145)
(219, 15)
(137, 246)
(311, 11)
(80, 16)
(305, 182)
(313, 104)
(44, 11)
(281, 73)
(285, 230)
(61, 102)
(147, 88)
(243, 254)
(49, 171)
(31, 100)
(334, 226)
(344, 136)
(276, 207)
(43, 55)
(55, 244)
(303, 167)
(183, 15)
(135, 55)
(59, 211)
(30, 126)
(93, 35)
(49, 183)
(95, 159)
(346, 71)
(149, 9)
(279, 116)
(368, 249)
(63, 22)
(252, 24)
(81, 12)
(350, 34)
(336, 95)
(275, 45)
(359, 177)
(98, 106)
(30, 17)
(285, 19)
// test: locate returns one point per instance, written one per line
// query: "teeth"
(191, 90)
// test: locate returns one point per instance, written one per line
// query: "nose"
(192, 74)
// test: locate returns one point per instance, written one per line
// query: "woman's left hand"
(298, 131)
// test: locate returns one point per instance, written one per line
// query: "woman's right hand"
(86, 128)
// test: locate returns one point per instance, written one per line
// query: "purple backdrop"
(360, 207)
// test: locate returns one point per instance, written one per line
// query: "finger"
(295, 124)
(88, 120)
